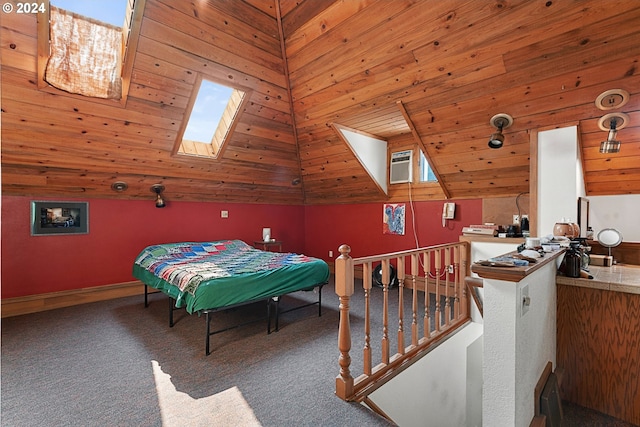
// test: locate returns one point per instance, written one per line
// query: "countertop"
(617, 278)
(514, 274)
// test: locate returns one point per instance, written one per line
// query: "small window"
(426, 173)
(211, 117)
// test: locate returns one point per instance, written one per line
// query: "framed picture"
(393, 215)
(49, 218)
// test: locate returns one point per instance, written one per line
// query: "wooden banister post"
(344, 290)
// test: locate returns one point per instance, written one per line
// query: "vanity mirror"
(609, 238)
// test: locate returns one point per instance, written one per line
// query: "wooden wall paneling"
(16, 42)
(245, 12)
(300, 30)
(286, 6)
(258, 126)
(625, 253)
(19, 88)
(325, 48)
(160, 96)
(265, 93)
(267, 7)
(349, 63)
(591, 148)
(295, 18)
(561, 48)
(260, 30)
(330, 101)
(86, 127)
(598, 348)
(227, 33)
(500, 210)
(264, 69)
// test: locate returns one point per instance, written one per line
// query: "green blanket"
(210, 275)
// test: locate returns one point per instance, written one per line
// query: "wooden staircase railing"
(436, 296)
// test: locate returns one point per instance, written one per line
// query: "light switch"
(224, 214)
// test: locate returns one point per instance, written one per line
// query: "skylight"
(88, 47)
(211, 117)
(211, 102)
(109, 11)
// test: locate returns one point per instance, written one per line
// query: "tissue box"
(603, 260)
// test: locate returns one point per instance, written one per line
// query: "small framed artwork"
(49, 218)
(393, 218)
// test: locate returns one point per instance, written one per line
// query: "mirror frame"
(583, 215)
(612, 237)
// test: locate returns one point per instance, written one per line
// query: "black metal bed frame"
(270, 302)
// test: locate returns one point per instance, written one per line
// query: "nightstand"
(265, 246)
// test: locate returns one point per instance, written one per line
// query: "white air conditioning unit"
(401, 167)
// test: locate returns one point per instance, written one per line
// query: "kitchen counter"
(617, 278)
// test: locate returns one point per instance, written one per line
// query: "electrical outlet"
(450, 268)
(224, 214)
(516, 218)
(525, 300)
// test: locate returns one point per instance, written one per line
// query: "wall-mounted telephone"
(448, 212)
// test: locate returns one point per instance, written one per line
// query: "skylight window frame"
(133, 20)
(213, 149)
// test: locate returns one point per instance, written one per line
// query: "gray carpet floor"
(116, 363)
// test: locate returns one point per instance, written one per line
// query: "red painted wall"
(360, 226)
(118, 231)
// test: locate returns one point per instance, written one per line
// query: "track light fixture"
(499, 121)
(615, 121)
(611, 145)
(158, 188)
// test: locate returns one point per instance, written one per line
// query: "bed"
(205, 277)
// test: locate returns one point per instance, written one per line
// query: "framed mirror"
(583, 215)
(609, 238)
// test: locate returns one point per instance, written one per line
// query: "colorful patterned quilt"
(209, 275)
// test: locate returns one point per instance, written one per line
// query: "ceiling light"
(611, 145)
(119, 186)
(499, 121)
(612, 122)
(158, 188)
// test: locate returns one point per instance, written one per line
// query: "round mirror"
(609, 237)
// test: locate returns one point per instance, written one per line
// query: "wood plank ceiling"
(428, 73)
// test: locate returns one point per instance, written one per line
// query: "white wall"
(517, 346)
(560, 183)
(438, 390)
(483, 251)
(560, 180)
(619, 212)
(372, 154)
